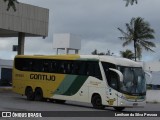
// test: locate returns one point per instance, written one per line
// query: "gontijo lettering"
(43, 77)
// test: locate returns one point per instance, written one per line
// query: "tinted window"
(106, 67)
(89, 68)
(113, 80)
(111, 76)
(93, 69)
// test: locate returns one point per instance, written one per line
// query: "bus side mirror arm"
(119, 74)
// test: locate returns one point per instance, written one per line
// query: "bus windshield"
(134, 82)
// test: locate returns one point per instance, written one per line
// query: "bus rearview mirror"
(118, 72)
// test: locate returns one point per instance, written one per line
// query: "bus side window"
(76, 68)
(93, 69)
(80, 67)
(25, 65)
(60, 67)
(89, 69)
(34, 65)
(97, 72)
(67, 67)
(72, 68)
(45, 66)
(53, 67)
(63, 70)
(49, 66)
(30, 68)
(19, 63)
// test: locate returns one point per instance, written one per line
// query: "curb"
(5, 89)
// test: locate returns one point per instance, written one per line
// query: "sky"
(95, 22)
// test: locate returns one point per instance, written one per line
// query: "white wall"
(66, 40)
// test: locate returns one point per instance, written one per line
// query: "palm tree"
(139, 32)
(11, 3)
(95, 52)
(131, 2)
(127, 54)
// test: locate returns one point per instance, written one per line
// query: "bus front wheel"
(60, 101)
(38, 94)
(29, 93)
(97, 102)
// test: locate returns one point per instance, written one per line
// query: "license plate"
(135, 104)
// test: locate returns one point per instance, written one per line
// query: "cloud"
(7, 43)
(94, 21)
(38, 46)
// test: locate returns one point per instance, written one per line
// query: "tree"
(139, 32)
(11, 3)
(131, 2)
(95, 52)
(109, 53)
(127, 54)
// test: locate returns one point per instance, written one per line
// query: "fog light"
(122, 103)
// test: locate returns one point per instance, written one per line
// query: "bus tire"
(119, 108)
(38, 94)
(97, 102)
(29, 93)
(60, 101)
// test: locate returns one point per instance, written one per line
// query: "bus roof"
(114, 60)
(109, 59)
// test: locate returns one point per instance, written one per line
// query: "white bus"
(99, 80)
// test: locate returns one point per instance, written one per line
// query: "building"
(6, 72)
(26, 21)
(67, 42)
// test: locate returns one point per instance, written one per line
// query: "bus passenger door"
(114, 79)
(111, 90)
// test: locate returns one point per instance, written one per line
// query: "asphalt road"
(13, 102)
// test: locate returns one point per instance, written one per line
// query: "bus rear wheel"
(29, 93)
(38, 94)
(119, 108)
(97, 102)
